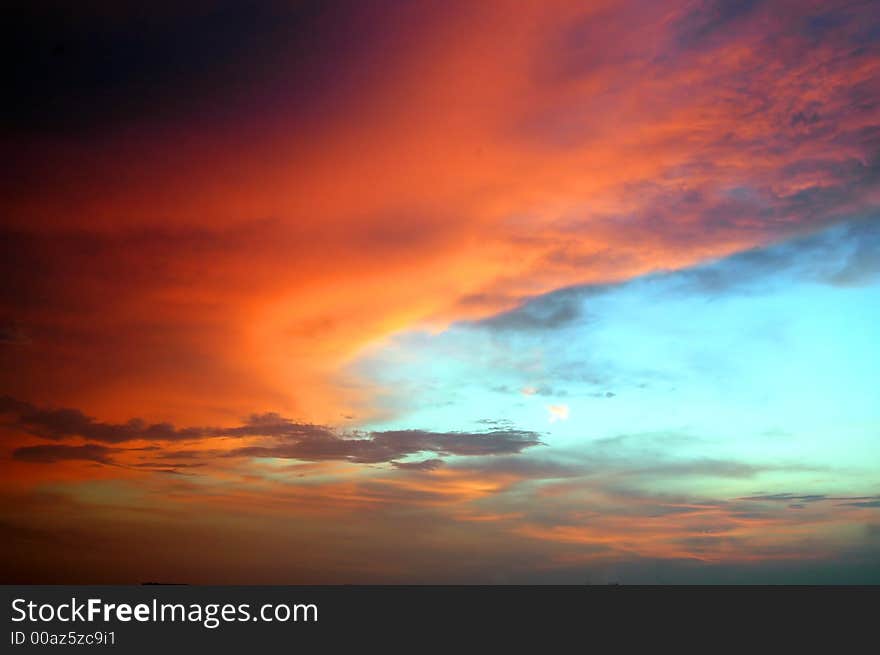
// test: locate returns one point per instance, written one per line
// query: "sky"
(440, 292)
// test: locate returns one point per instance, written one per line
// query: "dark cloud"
(546, 390)
(530, 468)
(863, 264)
(866, 503)
(167, 465)
(711, 18)
(424, 465)
(274, 425)
(496, 423)
(290, 440)
(788, 497)
(52, 453)
(798, 501)
(189, 454)
(64, 423)
(845, 254)
(389, 446)
(555, 311)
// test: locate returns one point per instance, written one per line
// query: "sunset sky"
(440, 292)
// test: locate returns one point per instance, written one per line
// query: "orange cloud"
(506, 154)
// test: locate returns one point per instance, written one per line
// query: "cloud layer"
(418, 228)
(290, 440)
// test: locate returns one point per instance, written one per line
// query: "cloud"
(167, 465)
(866, 503)
(382, 447)
(290, 440)
(844, 254)
(710, 18)
(52, 453)
(841, 255)
(788, 497)
(613, 141)
(423, 465)
(64, 423)
(556, 312)
(607, 146)
(799, 501)
(631, 461)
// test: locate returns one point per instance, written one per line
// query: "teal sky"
(767, 359)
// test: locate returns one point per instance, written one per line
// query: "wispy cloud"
(287, 439)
